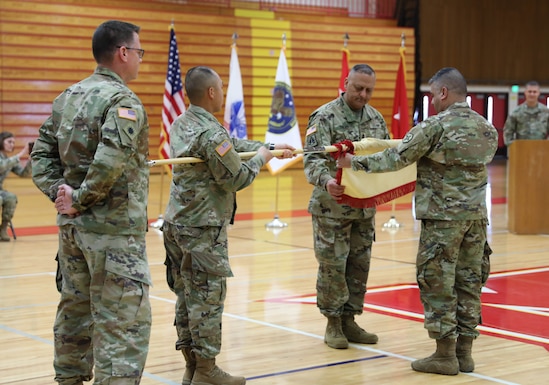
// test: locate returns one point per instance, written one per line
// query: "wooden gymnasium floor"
(272, 330)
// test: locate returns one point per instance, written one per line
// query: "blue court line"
(312, 368)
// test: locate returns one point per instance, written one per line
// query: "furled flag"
(345, 59)
(283, 126)
(400, 123)
(173, 100)
(235, 118)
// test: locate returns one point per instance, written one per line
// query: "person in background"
(91, 160)
(343, 235)
(8, 200)
(452, 150)
(201, 205)
(530, 120)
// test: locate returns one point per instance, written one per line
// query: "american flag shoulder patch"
(224, 147)
(127, 113)
(311, 130)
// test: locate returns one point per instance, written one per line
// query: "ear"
(211, 92)
(122, 54)
(443, 93)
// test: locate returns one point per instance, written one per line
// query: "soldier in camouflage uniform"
(343, 235)
(451, 150)
(530, 120)
(91, 159)
(201, 205)
(8, 201)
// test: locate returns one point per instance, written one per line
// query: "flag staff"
(276, 223)
(392, 223)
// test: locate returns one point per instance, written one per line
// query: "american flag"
(173, 101)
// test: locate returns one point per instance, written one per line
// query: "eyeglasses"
(140, 52)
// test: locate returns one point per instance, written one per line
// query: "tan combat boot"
(208, 373)
(463, 352)
(4, 237)
(334, 336)
(443, 361)
(355, 333)
(190, 365)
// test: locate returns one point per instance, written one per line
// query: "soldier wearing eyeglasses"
(91, 160)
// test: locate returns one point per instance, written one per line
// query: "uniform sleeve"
(318, 166)
(47, 171)
(509, 129)
(226, 166)
(123, 123)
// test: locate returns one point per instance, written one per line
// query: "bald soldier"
(452, 150)
(201, 205)
(91, 159)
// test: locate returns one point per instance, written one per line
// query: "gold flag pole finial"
(402, 40)
(345, 40)
(283, 41)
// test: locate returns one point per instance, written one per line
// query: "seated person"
(8, 200)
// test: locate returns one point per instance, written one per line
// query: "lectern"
(528, 187)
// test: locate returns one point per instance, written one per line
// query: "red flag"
(401, 119)
(173, 100)
(345, 58)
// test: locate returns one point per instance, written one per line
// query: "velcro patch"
(126, 113)
(311, 130)
(224, 147)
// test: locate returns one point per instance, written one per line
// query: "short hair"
(450, 78)
(109, 36)
(197, 80)
(363, 69)
(3, 136)
(532, 83)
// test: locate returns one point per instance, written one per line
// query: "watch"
(271, 146)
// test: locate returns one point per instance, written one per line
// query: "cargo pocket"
(485, 267)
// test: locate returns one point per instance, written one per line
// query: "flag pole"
(276, 223)
(392, 223)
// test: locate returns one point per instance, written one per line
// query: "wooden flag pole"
(370, 144)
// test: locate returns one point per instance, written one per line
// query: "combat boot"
(4, 237)
(463, 352)
(443, 361)
(334, 336)
(355, 333)
(190, 365)
(208, 373)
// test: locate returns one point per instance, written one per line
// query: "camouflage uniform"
(8, 201)
(343, 235)
(96, 141)
(201, 205)
(451, 150)
(527, 123)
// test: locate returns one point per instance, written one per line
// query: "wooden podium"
(528, 187)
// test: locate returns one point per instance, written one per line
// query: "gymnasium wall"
(46, 46)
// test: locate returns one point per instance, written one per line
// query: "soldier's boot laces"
(463, 352)
(443, 361)
(208, 373)
(355, 333)
(190, 365)
(4, 237)
(334, 336)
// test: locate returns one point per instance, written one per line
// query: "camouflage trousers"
(343, 249)
(104, 315)
(196, 269)
(453, 263)
(8, 201)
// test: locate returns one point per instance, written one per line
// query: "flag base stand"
(158, 223)
(392, 223)
(276, 223)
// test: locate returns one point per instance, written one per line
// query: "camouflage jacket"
(96, 140)
(329, 124)
(527, 123)
(12, 164)
(452, 149)
(203, 193)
